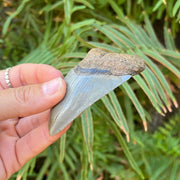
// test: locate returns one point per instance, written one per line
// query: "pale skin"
(24, 114)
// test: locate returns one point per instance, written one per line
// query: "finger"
(35, 142)
(27, 124)
(24, 74)
(32, 99)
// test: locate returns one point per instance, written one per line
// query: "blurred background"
(133, 132)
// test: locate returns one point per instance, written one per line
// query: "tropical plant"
(60, 33)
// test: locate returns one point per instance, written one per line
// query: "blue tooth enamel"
(82, 91)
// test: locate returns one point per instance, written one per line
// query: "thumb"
(31, 99)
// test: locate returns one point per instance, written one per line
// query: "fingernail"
(51, 87)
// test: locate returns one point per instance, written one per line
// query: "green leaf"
(143, 35)
(23, 172)
(50, 7)
(84, 162)
(8, 21)
(119, 113)
(52, 171)
(169, 7)
(48, 29)
(105, 46)
(88, 132)
(86, 3)
(44, 168)
(64, 171)
(116, 8)
(39, 55)
(82, 23)
(84, 43)
(159, 88)
(170, 53)
(72, 155)
(153, 89)
(121, 37)
(156, 56)
(74, 55)
(129, 113)
(135, 101)
(149, 94)
(134, 34)
(114, 115)
(151, 32)
(111, 36)
(176, 7)
(63, 65)
(32, 165)
(69, 161)
(68, 10)
(178, 17)
(174, 171)
(62, 147)
(169, 42)
(77, 8)
(157, 5)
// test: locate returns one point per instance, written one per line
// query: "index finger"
(26, 74)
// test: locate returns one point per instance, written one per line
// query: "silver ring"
(7, 77)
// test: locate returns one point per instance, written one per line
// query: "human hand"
(24, 113)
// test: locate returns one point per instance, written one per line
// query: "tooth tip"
(52, 131)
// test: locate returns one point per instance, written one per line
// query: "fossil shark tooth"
(96, 75)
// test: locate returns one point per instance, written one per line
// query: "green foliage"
(158, 154)
(60, 33)
(166, 138)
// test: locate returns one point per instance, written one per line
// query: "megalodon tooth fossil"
(96, 75)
